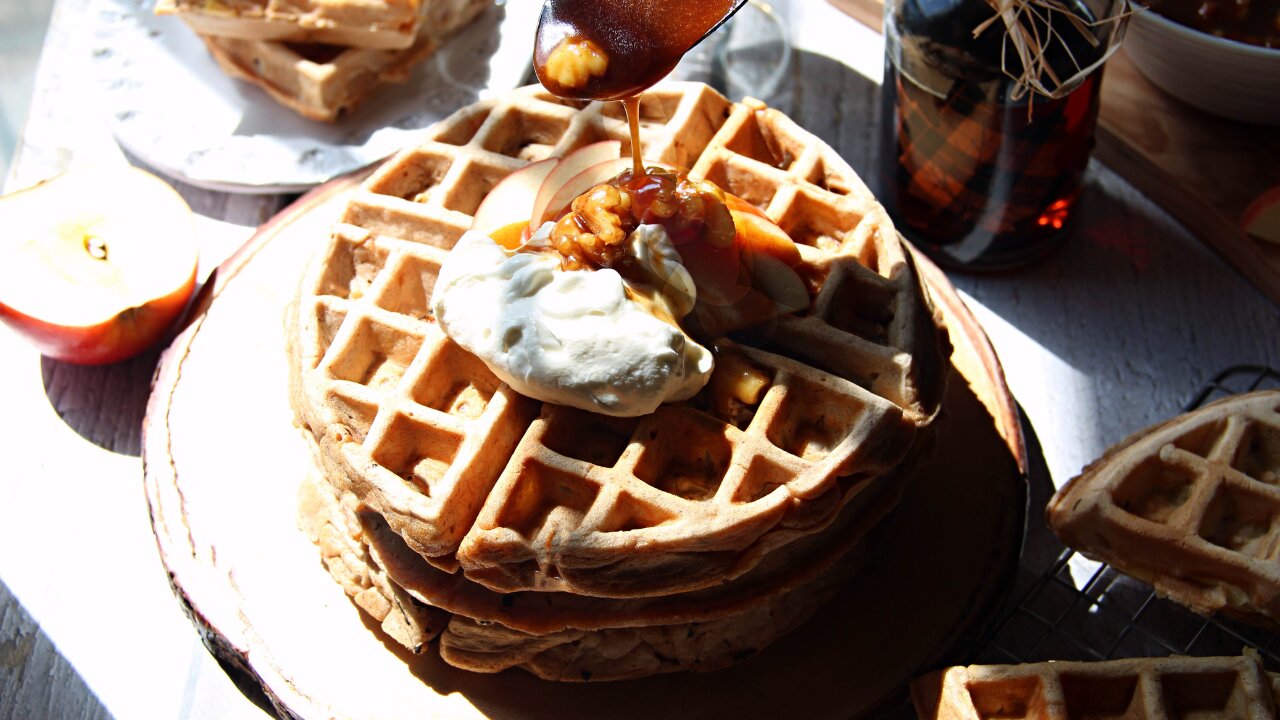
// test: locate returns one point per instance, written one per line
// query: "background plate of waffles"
(171, 106)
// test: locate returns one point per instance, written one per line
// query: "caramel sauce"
(632, 106)
(1255, 22)
(686, 209)
(614, 50)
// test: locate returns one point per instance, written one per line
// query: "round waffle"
(523, 496)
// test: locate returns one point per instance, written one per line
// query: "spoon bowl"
(618, 48)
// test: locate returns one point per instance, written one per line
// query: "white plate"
(170, 105)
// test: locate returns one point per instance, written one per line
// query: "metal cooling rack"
(1110, 615)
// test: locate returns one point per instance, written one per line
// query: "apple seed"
(96, 247)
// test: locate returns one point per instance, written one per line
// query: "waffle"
(526, 496)
(322, 82)
(1189, 506)
(403, 617)
(559, 636)
(384, 24)
(1163, 688)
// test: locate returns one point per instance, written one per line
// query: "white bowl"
(1224, 77)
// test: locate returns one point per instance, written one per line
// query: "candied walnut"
(603, 208)
(575, 61)
(594, 233)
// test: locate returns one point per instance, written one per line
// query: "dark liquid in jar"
(976, 181)
(643, 40)
(976, 175)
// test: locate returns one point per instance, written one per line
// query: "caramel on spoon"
(615, 49)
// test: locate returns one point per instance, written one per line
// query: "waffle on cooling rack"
(518, 496)
(1189, 506)
(1136, 689)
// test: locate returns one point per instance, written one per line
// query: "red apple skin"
(511, 200)
(47, 216)
(1266, 203)
(569, 166)
(757, 233)
(127, 334)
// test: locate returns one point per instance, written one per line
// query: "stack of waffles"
(1190, 507)
(321, 58)
(575, 546)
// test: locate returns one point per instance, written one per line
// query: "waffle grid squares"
(1075, 609)
(314, 80)
(322, 58)
(557, 512)
(689, 477)
(1171, 496)
(708, 463)
(1049, 621)
(394, 418)
(1225, 687)
(1189, 488)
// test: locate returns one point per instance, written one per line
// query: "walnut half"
(594, 233)
(575, 61)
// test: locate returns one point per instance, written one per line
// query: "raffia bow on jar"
(1032, 33)
(988, 120)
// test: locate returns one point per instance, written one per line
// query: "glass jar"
(987, 121)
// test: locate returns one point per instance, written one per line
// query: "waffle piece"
(541, 613)
(1137, 689)
(1190, 507)
(406, 619)
(566, 637)
(383, 24)
(632, 652)
(688, 497)
(322, 82)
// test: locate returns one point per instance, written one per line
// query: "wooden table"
(1114, 332)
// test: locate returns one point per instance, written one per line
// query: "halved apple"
(510, 202)
(569, 166)
(96, 264)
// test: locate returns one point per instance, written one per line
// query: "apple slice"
(579, 184)
(570, 165)
(752, 280)
(511, 200)
(777, 280)
(96, 264)
(1262, 218)
(760, 234)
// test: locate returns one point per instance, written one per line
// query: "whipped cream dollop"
(577, 338)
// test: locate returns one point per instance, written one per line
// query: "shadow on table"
(36, 681)
(1121, 301)
(104, 404)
